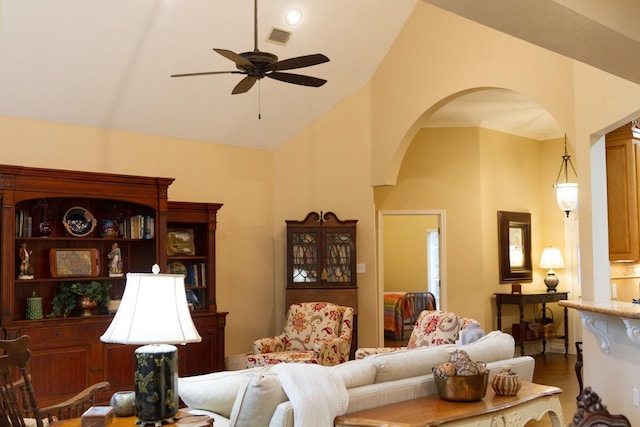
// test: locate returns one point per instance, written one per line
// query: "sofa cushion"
(256, 400)
(407, 363)
(356, 373)
(214, 392)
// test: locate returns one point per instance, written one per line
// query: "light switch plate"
(361, 268)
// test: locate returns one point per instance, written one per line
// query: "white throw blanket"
(317, 393)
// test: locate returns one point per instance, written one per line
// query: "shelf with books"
(191, 229)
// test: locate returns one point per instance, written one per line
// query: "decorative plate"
(78, 221)
(178, 268)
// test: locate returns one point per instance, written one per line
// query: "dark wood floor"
(552, 369)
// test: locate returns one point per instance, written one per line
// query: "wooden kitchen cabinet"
(622, 158)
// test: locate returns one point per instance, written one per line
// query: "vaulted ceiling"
(107, 63)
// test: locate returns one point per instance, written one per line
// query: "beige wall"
(405, 251)
(438, 56)
(471, 174)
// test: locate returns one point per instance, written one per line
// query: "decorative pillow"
(435, 328)
(256, 400)
(470, 332)
(356, 373)
(214, 392)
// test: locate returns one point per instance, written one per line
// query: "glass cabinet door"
(321, 252)
(304, 252)
(337, 267)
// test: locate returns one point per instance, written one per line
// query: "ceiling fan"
(257, 65)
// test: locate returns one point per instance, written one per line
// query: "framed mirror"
(514, 246)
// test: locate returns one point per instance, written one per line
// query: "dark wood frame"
(507, 221)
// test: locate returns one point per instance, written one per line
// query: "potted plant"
(70, 295)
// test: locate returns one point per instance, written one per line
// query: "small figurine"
(25, 267)
(115, 261)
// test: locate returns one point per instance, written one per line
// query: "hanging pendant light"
(566, 192)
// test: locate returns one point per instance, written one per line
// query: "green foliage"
(65, 299)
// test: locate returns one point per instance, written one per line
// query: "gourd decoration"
(506, 383)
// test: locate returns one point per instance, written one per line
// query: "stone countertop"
(611, 307)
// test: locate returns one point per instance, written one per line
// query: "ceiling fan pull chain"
(259, 100)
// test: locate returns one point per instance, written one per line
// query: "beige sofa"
(254, 397)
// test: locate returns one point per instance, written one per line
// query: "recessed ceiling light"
(294, 16)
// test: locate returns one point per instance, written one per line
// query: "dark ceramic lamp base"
(156, 382)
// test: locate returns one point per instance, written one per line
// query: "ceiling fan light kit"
(256, 65)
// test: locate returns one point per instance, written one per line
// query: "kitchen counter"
(596, 316)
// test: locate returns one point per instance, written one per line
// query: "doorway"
(411, 256)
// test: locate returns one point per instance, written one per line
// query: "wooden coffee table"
(532, 402)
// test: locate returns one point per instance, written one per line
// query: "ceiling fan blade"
(205, 73)
(232, 56)
(244, 85)
(298, 62)
(297, 79)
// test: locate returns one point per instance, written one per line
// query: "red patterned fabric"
(435, 328)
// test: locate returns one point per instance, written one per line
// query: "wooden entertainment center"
(40, 209)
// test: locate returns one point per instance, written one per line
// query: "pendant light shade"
(566, 192)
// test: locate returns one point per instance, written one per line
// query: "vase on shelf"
(43, 227)
(86, 305)
(108, 228)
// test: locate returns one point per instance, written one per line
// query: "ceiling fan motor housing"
(259, 62)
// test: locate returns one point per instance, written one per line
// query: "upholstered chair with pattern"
(433, 327)
(315, 332)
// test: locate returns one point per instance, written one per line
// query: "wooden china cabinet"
(58, 211)
(321, 263)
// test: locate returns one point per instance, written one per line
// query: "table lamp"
(154, 312)
(551, 258)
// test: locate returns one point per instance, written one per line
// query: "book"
(203, 274)
(149, 227)
(137, 226)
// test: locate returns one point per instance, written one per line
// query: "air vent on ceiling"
(279, 36)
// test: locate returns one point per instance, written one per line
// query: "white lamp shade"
(567, 196)
(153, 310)
(551, 258)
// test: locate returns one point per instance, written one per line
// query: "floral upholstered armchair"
(315, 332)
(433, 327)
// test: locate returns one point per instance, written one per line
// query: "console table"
(522, 300)
(532, 402)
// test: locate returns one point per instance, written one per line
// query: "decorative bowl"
(462, 388)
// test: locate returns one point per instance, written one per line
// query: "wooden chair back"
(17, 400)
(18, 404)
(592, 413)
